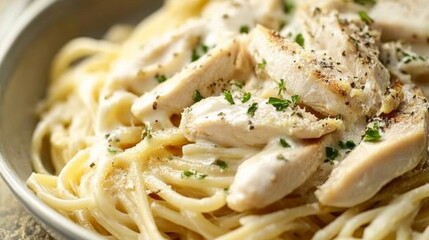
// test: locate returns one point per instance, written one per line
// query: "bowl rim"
(48, 217)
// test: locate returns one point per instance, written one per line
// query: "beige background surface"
(15, 222)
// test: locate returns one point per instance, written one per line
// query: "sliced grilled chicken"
(215, 119)
(371, 165)
(274, 172)
(402, 20)
(207, 76)
(353, 46)
(404, 63)
(313, 76)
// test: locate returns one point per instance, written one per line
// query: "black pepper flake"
(155, 105)
(92, 165)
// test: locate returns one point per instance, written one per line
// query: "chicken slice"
(216, 120)
(312, 76)
(404, 63)
(402, 20)
(274, 172)
(353, 46)
(371, 165)
(207, 76)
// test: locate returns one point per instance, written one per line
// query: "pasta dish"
(243, 119)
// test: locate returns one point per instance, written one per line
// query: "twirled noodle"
(142, 176)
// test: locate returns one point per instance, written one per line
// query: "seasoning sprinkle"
(252, 109)
(221, 164)
(246, 97)
(299, 39)
(197, 96)
(372, 134)
(262, 64)
(279, 104)
(160, 78)
(228, 97)
(283, 143)
(244, 29)
(364, 17)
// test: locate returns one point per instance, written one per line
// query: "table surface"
(15, 222)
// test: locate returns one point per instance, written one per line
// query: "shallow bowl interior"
(25, 58)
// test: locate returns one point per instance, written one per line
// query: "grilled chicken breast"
(352, 45)
(405, 20)
(371, 165)
(227, 124)
(274, 172)
(312, 75)
(207, 76)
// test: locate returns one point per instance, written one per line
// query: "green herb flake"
(160, 78)
(198, 51)
(295, 100)
(365, 18)
(221, 164)
(194, 174)
(244, 29)
(252, 109)
(262, 64)
(372, 134)
(197, 96)
(279, 104)
(281, 86)
(228, 96)
(147, 133)
(331, 153)
(113, 150)
(246, 97)
(365, 2)
(347, 145)
(299, 39)
(288, 6)
(283, 143)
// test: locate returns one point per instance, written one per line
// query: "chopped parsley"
(160, 78)
(372, 134)
(295, 99)
(193, 173)
(244, 29)
(198, 51)
(113, 150)
(221, 164)
(407, 58)
(365, 2)
(288, 6)
(331, 153)
(246, 97)
(283, 143)
(279, 104)
(197, 96)
(364, 17)
(262, 64)
(147, 133)
(281, 86)
(228, 96)
(299, 39)
(252, 109)
(347, 145)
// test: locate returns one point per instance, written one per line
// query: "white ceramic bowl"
(25, 56)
